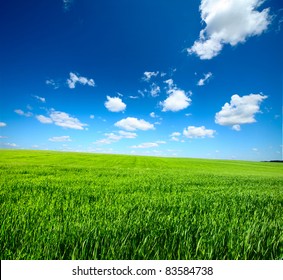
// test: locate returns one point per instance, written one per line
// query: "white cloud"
(154, 90)
(52, 83)
(228, 22)
(201, 82)
(169, 82)
(148, 145)
(61, 119)
(132, 124)
(112, 137)
(240, 110)
(41, 99)
(65, 120)
(60, 139)
(142, 93)
(44, 119)
(177, 100)
(91, 117)
(104, 141)
(198, 132)
(126, 134)
(148, 75)
(115, 104)
(22, 113)
(74, 79)
(2, 124)
(236, 127)
(133, 97)
(160, 142)
(174, 136)
(145, 145)
(10, 144)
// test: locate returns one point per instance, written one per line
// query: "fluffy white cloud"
(240, 110)
(115, 104)
(112, 137)
(2, 124)
(41, 99)
(177, 100)
(65, 120)
(236, 127)
(22, 113)
(60, 139)
(132, 124)
(228, 22)
(61, 119)
(198, 132)
(148, 75)
(201, 82)
(169, 82)
(44, 119)
(74, 79)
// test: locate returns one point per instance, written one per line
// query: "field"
(91, 206)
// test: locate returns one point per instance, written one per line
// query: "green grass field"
(90, 206)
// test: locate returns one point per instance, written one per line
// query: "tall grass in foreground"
(86, 206)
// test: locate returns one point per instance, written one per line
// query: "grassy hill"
(58, 205)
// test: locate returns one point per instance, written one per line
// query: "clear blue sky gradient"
(114, 43)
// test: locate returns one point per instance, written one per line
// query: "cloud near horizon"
(147, 145)
(112, 137)
(60, 139)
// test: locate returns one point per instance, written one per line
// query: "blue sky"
(165, 78)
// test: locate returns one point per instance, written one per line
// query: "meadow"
(57, 205)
